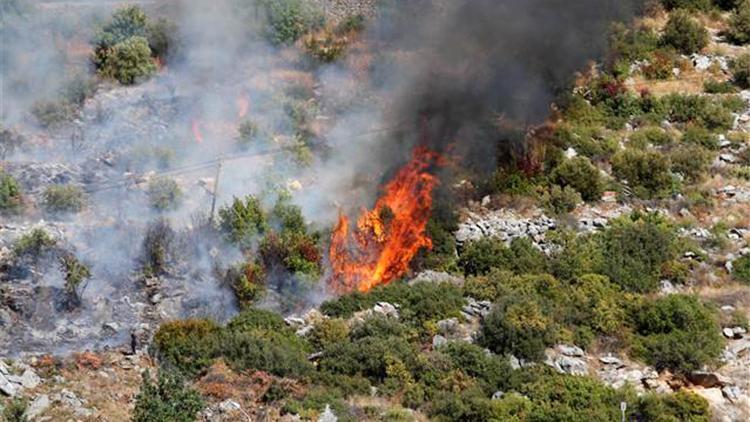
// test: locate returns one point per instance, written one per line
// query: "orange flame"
(389, 236)
(197, 134)
(243, 106)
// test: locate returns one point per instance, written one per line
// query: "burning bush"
(10, 194)
(63, 199)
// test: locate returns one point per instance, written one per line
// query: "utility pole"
(216, 190)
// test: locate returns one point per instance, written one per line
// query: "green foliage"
(158, 248)
(76, 275)
(741, 269)
(33, 243)
(247, 283)
(647, 172)
(740, 68)
(14, 410)
(328, 332)
(580, 174)
(697, 135)
(632, 44)
(678, 333)
(163, 193)
(509, 181)
(129, 21)
(480, 256)
(699, 110)
(288, 20)
(559, 200)
(162, 39)
(10, 194)
(713, 86)
(63, 199)
(243, 221)
(634, 249)
(419, 303)
(691, 161)
(249, 133)
(187, 345)
(53, 114)
(166, 400)
(680, 406)
(684, 33)
(651, 136)
(128, 61)
(738, 31)
(702, 5)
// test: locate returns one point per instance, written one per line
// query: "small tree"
(647, 172)
(63, 199)
(684, 33)
(740, 68)
(10, 194)
(581, 175)
(127, 61)
(164, 193)
(288, 20)
(76, 275)
(242, 221)
(166, 400)
(739, 24)
(158, 247)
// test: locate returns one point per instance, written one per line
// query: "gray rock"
(385, 308)
(573, 351)
(610, 360)
(439, 341)
(6, 387)
(728, 332)
(497, 395)
(430, 276)
(29, 379)
(448, 326)
(731, 393)
(37, 407)
(229, 406)
(328, 415)
(572, 366)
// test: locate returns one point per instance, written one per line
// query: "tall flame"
(387, 237)
(243, 106)
(195, 125)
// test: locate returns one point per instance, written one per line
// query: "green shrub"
(517, 326)
(166, 400)
(163, 193)
(491, 370)
(158, 248)
(632, 44)
(647, 172)
(559, 200)
(740, 68)
(249, 133)
(678, 333)
(10, 141)
(189, 346)
(651, 135)
(698, 135)
(691, 161)
(738, 31)
(15, 409)
(327, 332)
(687, 4)
(509, 181)
(741, 269)
(634, 249)
(63, 199)
(52, 114)
(480, 256)
(368, 356)
(660, 65)
(713, 86)
(288, 20)
(162, 40)
(34, 243)
(680, 406)
(247, 282)
(283, 355)
(243, 221)
(684, 33)
(128, 61)
(699, 110)
(580, 174)
(10, 194)
(76, 275)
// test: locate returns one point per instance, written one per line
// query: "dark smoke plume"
(479, 62)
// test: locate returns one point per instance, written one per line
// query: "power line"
(215, 162)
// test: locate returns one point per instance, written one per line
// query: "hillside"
(532, 210)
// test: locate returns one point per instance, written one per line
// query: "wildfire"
(390, 235)
(197, 134)
(243, 106)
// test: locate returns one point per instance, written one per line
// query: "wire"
(214, 162)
